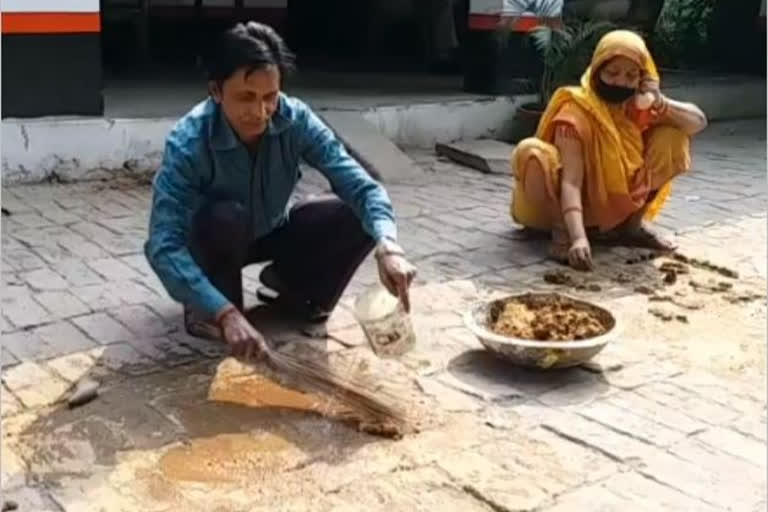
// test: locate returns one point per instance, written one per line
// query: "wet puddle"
(258, 391)
(245, 429)
(226, 458)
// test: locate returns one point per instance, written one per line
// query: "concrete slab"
(380, 157)
(486, 155)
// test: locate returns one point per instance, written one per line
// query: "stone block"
(689, 403)
(650, 495)
(31, 220)
(123, 358)
(164, 350)
(112, 269)
(615, 445)
(103, 328)
(138, 262)
(50, 340)
(9, 404)
(665, 415)
(207, 348)
(30, 498)
(576, 389)
(80, 246)
(59, 216)
(22, 260)
(420, 489)
(97, 296)
(718, 486)
(132, 292)
(13, 470)
(21, 310)
(62, 304)
(77, 273)
(33, 385)
(481, 374)
(641, 374)
(73, 367)
(7, 358)
(736, 444)
(754, 427)
(92, 494)
(595, 498)
(142, 321)
(501, 486)
(44, 279)
(449, 399)
(631, 424)
(485, 155)
(380, 157)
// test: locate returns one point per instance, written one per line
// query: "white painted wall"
(424, 125)
(93, 148)
(49, 5)
(79, 148)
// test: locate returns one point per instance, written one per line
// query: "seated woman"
(604, 155)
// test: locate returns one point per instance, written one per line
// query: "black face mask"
(613, 93)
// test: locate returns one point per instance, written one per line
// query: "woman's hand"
(648, 94)
(580, 254)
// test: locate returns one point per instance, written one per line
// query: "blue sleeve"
(174, 191)
(322, 150)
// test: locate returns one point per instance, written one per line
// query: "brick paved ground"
(672, 416)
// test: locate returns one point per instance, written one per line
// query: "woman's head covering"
(622, 43)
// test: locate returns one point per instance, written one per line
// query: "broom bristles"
(352, 391)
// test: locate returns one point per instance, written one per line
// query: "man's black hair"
(248, 45)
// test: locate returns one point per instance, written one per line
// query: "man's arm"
(167, 250)
(370, 201)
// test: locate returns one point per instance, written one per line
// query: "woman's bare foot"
(645, 238)
(560, 245)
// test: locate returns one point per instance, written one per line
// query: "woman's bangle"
(570, 209)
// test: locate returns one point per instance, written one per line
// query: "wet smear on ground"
(226, 458)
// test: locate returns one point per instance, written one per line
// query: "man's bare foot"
(645, 238)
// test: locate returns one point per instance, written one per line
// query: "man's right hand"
(243, 339)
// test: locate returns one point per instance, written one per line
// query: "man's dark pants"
(315, 254)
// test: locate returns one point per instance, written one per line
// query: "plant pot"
(526, 121)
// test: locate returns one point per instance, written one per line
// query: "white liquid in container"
(386, 325)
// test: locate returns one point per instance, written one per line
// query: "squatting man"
(221, 201)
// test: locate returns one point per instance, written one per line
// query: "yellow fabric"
(667, 154)
(616, 177)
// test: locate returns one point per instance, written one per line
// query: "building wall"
(51, 61)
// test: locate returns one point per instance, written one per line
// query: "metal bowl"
(538, 354)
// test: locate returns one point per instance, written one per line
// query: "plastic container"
(386, 324)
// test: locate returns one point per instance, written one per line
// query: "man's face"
(249, 100)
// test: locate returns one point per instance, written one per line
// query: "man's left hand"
(395, 272)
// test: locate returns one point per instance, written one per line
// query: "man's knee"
(332, 210)
(221, 224)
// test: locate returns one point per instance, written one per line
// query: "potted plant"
(565, 53)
